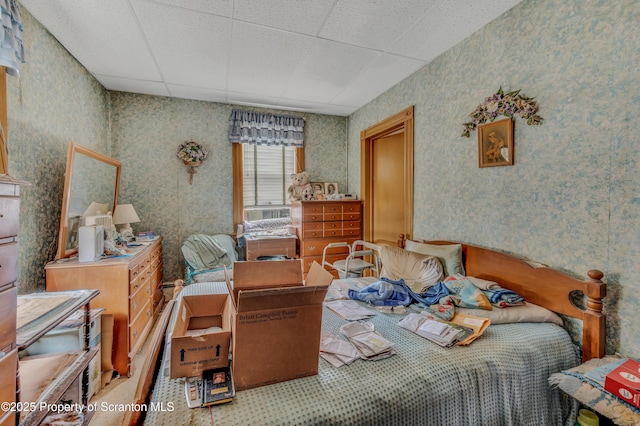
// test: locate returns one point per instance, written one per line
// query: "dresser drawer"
(8, 364)
(139, 299)
(9, 214)
(315, 248)
(8, 307)
(331, 233)
(332, 216)
(331, 226)
(139, 324)
(351, 216)
(8, 263)
(332, 209)
(351, 233)
(314, 217)
(312, 234)
(311, 208)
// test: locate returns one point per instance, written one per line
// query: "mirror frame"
(74, 149)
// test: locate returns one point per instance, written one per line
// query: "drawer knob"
(312, 247)
(135, 305)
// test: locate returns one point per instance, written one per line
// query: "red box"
(624, 382)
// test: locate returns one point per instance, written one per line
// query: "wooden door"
(387, 203)
(387, 178)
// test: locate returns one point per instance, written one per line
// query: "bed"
(499, 379)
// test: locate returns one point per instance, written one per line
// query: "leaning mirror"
(90, 185)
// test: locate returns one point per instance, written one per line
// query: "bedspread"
(500, 379)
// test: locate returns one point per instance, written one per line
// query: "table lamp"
(125, 215)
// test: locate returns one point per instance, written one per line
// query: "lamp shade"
(125, 213)
(96, 208)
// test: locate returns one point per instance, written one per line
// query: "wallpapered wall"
(572, 198)
(56, 100)
(146, 133)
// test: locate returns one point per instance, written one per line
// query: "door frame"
(399, 122)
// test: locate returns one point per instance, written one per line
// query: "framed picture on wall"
(317, 187)
(495, 143)
(331, 188)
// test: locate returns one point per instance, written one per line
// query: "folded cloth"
(502, 297)
(384, 292)
(465, 294)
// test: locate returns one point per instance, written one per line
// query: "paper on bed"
(349, 310)
(436, 331)
(370, 344)
(337, 351)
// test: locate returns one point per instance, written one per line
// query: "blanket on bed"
(500, 379)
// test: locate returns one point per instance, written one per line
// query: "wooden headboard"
(542, 286)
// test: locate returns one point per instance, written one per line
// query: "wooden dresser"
(130, 290)
(9, 214)
(319, 223)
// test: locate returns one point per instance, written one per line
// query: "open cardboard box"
(277, 319)
(193, 348)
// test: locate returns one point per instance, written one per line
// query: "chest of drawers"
(319, 223)
(130, 290)
(9, 215)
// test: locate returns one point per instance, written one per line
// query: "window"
(266, 179)
(261, 178)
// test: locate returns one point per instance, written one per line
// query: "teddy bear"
(299, 183)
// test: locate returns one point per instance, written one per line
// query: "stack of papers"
(370, 344)
(337, 351)
(349, 310)
(445, 334)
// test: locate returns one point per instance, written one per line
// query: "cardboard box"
(624, 382)
(277, 319)
(193, 347)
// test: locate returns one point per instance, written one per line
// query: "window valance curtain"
(11, 49)
(265, 128)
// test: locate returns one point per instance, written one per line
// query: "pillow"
(418, 271)
(450, 255)
(528, 312)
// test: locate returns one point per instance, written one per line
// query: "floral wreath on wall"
(509, 104)
(191, 152)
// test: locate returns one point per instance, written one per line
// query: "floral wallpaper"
(146, 133)
(572, 198)
(54, 100)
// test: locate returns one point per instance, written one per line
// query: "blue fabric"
(385, 292)
(262, 128)
(430, 297)
(503, 297)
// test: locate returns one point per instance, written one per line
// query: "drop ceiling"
(319, 56)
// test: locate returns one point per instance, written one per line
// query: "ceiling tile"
(97, 31)
(134, 86)
(375, 24)
(197, 93)
(325, 68)
(377, 78)
(194, 52)
(263, 59)
(446, 25)
(217, 7)
(301, 16)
